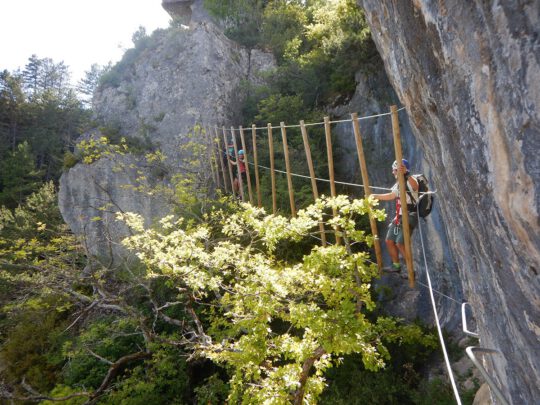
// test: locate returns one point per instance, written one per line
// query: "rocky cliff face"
(187, 75)
(468, 74)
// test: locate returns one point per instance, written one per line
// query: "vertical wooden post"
(272, 173)
(220, 158)
(288, 168)
(214, 156)
(402, 196)
(210, 154)
(331, 170)
(256, 164)
(229, 165)
(367, 190)
(246, 163)
(238, 173)
(312, 175)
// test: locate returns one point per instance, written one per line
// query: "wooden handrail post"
(402, 196)
(229, 161)
(256, 164)
(331, 170)
(288, 168)
(312, 175)
(246, 163)
(272, 173)
(220, 158)
(210, 154)
(215, 157)
(367, 190)
(238, 172)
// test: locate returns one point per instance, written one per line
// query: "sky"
(77, 32)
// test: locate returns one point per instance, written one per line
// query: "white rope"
(313, 123)
(319, 179)
(438, 292)
(439, 329)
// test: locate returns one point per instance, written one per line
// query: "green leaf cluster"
(271, 318)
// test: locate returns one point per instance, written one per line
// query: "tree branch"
(115, 368)
(299, 395)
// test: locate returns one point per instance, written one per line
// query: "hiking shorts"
(395, 232)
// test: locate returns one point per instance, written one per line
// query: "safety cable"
(435, 314)
(438, 292)
(309, 124)
(319, 179)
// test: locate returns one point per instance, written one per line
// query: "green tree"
(11, 101)
(31, 74)
(283, 24)
(88, 84)
(39, 107)
(18, 176)
(242, 18)
(278, 326)
(44, 76)
(39, 262)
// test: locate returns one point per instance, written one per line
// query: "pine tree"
(18, 176)
(11, 102)
(89, 83)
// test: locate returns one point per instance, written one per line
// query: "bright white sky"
(77, 32)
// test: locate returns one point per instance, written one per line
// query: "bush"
(70, 160)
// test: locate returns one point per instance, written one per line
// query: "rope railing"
(321, 179)
(237, 186)
(311, 124)
(343, 183)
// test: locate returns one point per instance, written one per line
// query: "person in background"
(394, 236)
(242, 172)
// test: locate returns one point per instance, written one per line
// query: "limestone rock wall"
(91, 195)
(468, 74)
(157, 93)
(190, 75)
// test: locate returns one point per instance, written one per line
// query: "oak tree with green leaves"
(276, 325)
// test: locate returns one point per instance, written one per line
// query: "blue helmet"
(241, 152)
(405, 163)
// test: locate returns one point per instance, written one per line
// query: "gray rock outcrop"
(186, 11)
(161, 89)
(91, 195)
(188, 76)
(468, 74)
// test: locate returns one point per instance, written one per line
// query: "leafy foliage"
(38, 257)
(242, 18)
(275, 320)
(18, 176)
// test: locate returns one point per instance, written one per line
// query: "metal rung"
(470, 352)
(464, 322)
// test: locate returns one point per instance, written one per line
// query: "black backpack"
(425, 203)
